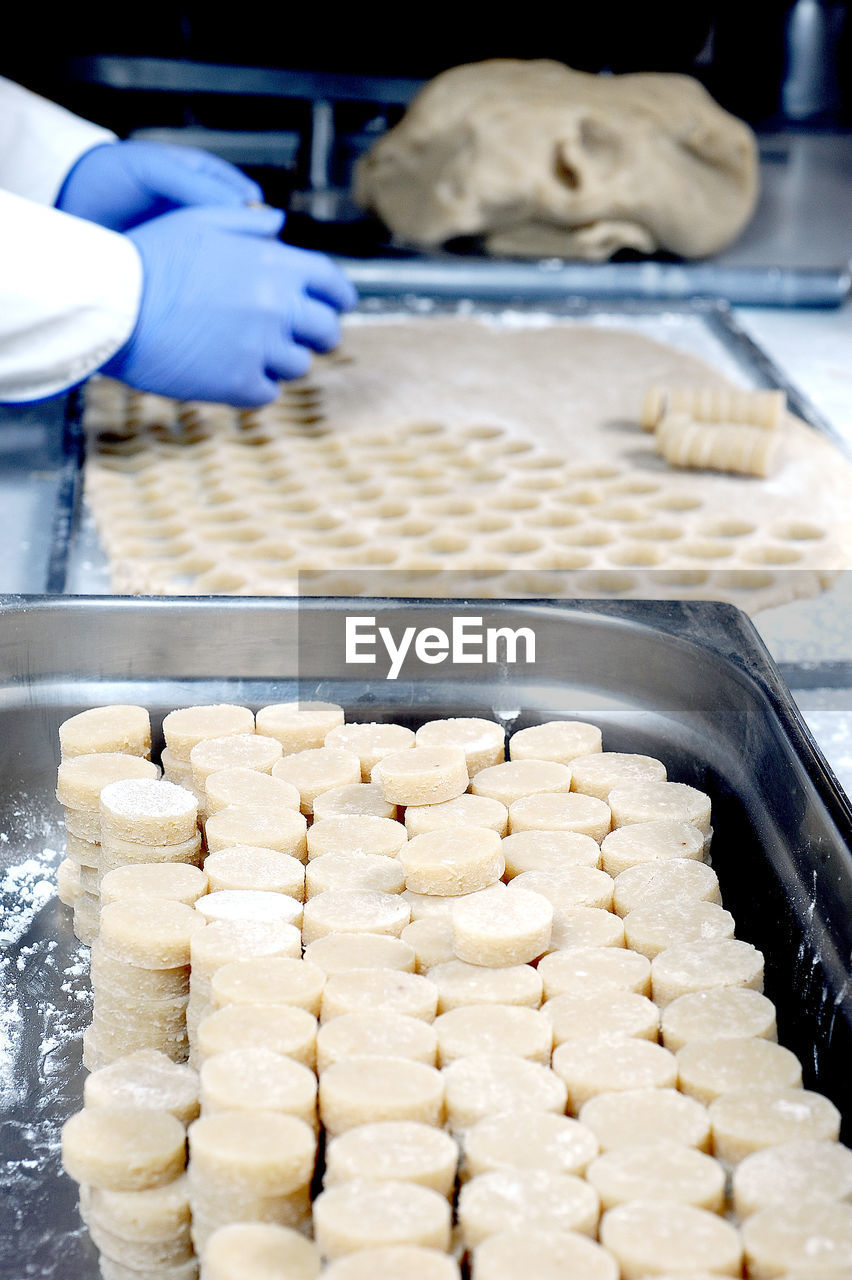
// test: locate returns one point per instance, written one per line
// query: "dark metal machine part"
(689, 682)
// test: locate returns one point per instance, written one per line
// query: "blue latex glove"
(122, 184)
(227, 309)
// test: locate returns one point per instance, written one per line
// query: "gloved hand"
(121, 184)
(226, 308)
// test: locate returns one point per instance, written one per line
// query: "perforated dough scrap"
(532, 478)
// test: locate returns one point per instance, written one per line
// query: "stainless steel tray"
(691, 683)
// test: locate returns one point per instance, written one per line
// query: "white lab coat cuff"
(40, 143)
(71, 294)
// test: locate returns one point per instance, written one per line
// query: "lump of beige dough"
(543, 161)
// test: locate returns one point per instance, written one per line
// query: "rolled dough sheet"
(589, 495)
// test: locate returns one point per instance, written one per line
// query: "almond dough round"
(355, 834)
(718, 1014)
(153, 933)
(263, 1153)
(493, 1028)
(406, 1151)
(368, 1213)
(747, 1120)
(652, 801)
(588, 969)
(119, 728)
(376, 1031)
(525, 1139)
(81, 779)
(269, 980)
(487, 1083)
(246, 866)
(142, 1255)
(354, 871)
(340, 952)
(237, 751)
(249, 904)
(545, 1254)
(299, 726)
(652, 928)
(461, 984)
(268, 828)
(224, 941)
(148, 1080)
(660, 1170)
(259, 1251)
(240, 787)
(465, 811)
(585, 927)
(158, 1213)
(588, 1068)
(597, 775)
(371, 1088)
(316, 770)
(518, 778)
(252, 1079)
(525, 1199)
(177, 881)
(123, 1148)
(557, 740)
(792, 1173)
(431, 938)
(707, 1069)
(548, 851)
(452, 861)
(133, 982)
(501, 929)
(359, 799)
(662, 838)
(602, 1015)
(632, 1117)
(660, 1234)
(390, 990)
(582, 814)
(815, 1237)
(121, 853)
(354, 911)
(185, 728)
(482, 741)
(703, 965)
(572, 887)
(370, 742)
(285, 1029)
(426, 775)
(435, 906)
(671, 881)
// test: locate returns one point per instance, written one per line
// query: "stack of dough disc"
(80, 780)
(145, 820)
(237, 750)
(531, 964)
(249, 1166)
(184, 728)
(129, 1161)
(221, 942)
(140, 978)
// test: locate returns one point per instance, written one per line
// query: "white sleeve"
(40, 142)
(69, 297)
